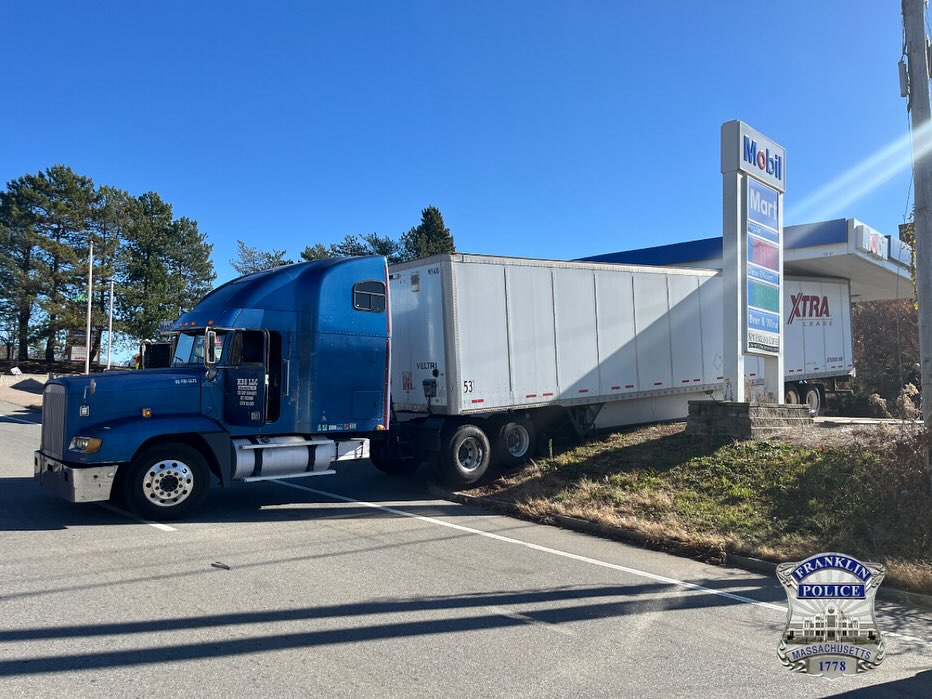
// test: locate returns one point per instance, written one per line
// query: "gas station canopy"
(877, 266)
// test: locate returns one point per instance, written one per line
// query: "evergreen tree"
(56, 205)
(111, 213)
(191, 271)
(165, 266)
(350, 246)
(430, 237)
(19, 280)
(356, 246)
(250, 260)
(383, 245)
(317, 251)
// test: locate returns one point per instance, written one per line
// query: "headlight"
(88, 445)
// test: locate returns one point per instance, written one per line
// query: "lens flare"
(862, 179)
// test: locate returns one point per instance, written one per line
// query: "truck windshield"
(189, 349)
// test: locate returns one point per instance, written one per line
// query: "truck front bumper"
(90, 484)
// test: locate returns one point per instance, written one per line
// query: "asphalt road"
(363, 585)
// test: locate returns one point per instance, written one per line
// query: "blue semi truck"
(462, 361)
(274, 375)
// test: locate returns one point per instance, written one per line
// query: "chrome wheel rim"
(814, 401)
(517, 441)
(470, 454)
(168, 483)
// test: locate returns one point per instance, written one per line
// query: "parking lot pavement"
(362, 584)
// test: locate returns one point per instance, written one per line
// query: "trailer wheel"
(166, 482)
(814, 399)
(380, 454)
(465, 456)
(791, 395)
(515, 441)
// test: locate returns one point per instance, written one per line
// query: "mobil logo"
(762, 158)
(807, 307)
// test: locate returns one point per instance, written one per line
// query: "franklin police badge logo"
(830, 626)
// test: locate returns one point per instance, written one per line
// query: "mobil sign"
(757, 252)
(749, 151)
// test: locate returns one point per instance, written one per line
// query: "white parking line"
(157, 525)
(545, 549)
(573, 556)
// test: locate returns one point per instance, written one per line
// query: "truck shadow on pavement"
(26, 506)
(493, 610)
(33, 416)
(919, 685)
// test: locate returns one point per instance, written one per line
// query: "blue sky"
(541, 128)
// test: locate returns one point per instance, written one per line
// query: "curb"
(633, 536)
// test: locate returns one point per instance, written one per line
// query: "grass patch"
(866, 493)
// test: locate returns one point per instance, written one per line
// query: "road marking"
(157, 525)
(573, 556)
(544, 549)
(16, 419)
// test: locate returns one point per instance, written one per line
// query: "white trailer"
(489, 351)
(818, 354)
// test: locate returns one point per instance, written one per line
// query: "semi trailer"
(458, 360)
(489, 352)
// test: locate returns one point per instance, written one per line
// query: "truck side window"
(253, 347)
(369, 296)
(248, 347)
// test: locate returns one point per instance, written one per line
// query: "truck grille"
(53, 420)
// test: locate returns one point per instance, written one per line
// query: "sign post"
(753, 182)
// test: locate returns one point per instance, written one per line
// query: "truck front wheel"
(166, 482)
(465, 456)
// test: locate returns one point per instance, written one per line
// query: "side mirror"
(210, 350)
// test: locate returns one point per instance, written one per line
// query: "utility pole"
(90, 296)
(110, 326)
(917, 53)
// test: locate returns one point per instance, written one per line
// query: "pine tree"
(250, 260)
(56, 206)
(165, 267)
(111, 212)
(430, 237)
(19, 280)
(317, 251)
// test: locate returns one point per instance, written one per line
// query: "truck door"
(246, 379)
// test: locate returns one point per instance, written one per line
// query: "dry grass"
(863, 491)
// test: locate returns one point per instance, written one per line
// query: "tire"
(465, 456)
(515, 441)
(815, 401)
(791, 395)
(166, 482)
(381, 457)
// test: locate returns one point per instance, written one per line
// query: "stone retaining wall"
(744, 420)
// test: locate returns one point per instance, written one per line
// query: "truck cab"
(277, 374)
